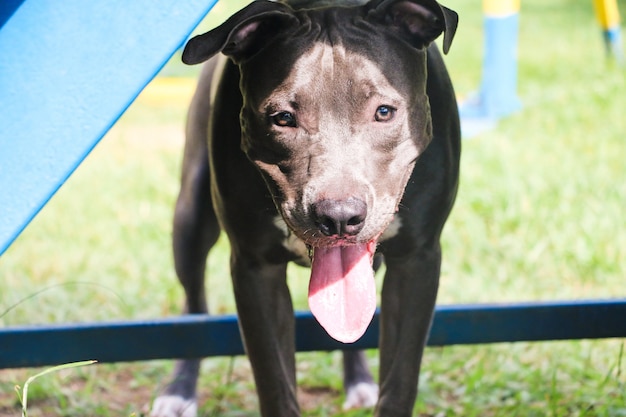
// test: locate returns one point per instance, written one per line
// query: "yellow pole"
(607, 13)
(500, 8)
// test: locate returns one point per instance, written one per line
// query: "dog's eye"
(283, 119)
(384, 113)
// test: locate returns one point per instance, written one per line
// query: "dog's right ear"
(242, 34)
(418, 21)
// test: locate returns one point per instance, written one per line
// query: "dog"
(326, 134)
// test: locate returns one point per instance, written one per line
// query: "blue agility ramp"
(68, 70)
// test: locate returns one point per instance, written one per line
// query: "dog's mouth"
(342, 291)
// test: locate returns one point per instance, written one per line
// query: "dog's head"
(335, 111)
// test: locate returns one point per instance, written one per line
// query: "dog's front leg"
(408, 301)
(266, 320)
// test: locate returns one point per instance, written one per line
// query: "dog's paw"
(361, 395)
(174, 406)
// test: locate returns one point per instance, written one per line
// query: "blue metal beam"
(203, 336)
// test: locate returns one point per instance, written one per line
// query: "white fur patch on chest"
(292, 243)
(392, 230)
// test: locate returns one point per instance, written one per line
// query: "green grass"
(540, 216)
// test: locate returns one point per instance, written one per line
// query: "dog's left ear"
(420, 21)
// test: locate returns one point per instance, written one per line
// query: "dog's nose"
(341, 218)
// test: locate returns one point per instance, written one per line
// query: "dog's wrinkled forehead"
(332, 62)
(332, 44)
(332, 75)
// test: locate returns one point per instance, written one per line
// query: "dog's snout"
(340, 218)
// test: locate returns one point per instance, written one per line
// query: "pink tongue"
(342, 291)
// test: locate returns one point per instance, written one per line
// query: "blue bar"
(204, 336)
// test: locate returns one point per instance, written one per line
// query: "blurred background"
(540, 215)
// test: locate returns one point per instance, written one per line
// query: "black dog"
(330, 134)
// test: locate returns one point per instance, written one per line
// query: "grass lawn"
(540, 215)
